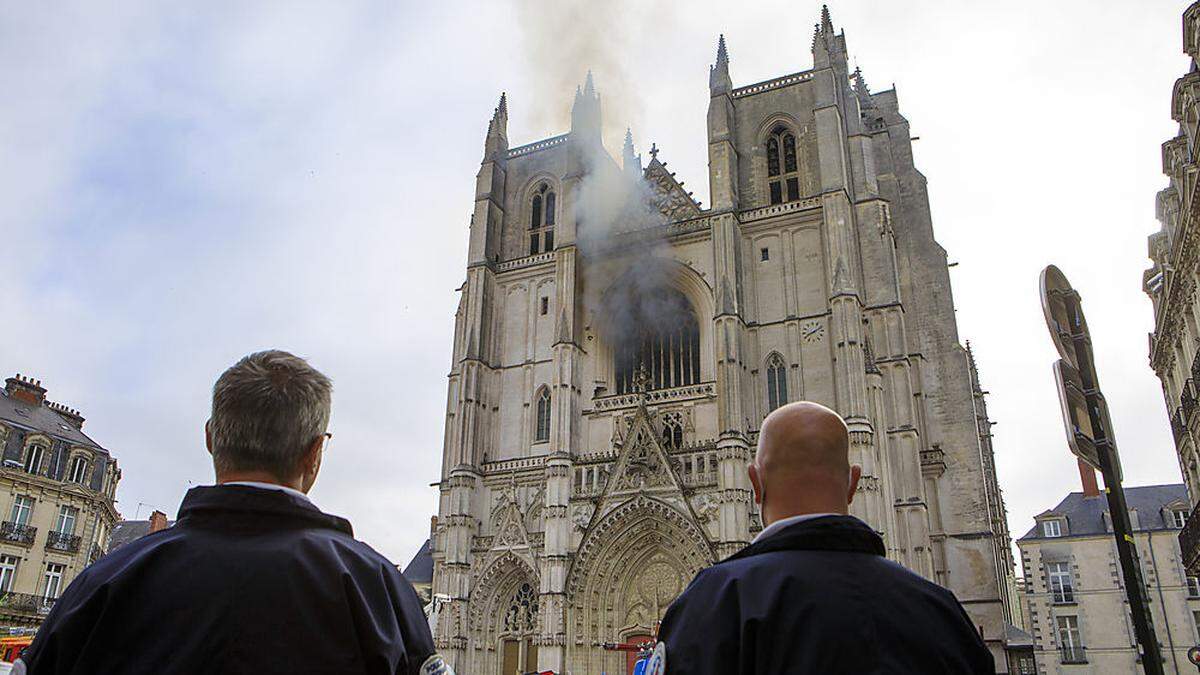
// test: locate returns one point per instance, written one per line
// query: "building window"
(1051, 528)
(1070, 643)
(54, 575)
(783, 178)
(66, 520)
(765, 254)
(777, 393)
(519, 652)
(33, 458)
(79, 469)
(8, 571)
(1062, 587)
(541, 220)
(664, 342)
(1179, 518)
(545, 305)
(1193, 587)
(22, 509)
(543, 417)
(672, 430)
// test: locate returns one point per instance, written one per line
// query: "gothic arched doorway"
(631, 565)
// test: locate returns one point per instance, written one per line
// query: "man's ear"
(755, 483)
(312, 458)
(208, 436)
(855, 474)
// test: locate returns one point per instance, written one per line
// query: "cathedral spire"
(589, 89)
(585, 114)
(630, 162)
(828, 48)
(718, 74)
(496, 143)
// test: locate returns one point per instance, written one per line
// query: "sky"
(183, 185)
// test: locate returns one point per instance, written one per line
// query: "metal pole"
(1131, 570)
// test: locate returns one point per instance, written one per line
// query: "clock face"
(812, 331)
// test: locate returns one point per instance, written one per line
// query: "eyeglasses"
(328, 440)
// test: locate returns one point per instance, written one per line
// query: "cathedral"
(616, 347)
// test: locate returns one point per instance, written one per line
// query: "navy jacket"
(818, 597)
(248, 580)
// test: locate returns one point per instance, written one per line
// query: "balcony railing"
(1187, 399)
(25, 603)
(1177, 427)
(62, 542)
(97, 552)
(17, 533)
(1189, 542)
(1072, 654)
(1064, 595)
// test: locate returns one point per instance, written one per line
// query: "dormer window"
(33, 458)
(542, 210)
(1052, 528)
(783, 177)
(79, 469)
(1178, 518)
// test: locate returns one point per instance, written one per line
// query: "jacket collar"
(208, 500)
(827, 533)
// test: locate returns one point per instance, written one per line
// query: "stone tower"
(616, 347)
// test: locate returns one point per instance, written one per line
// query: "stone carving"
(581, 515)
(707, 507)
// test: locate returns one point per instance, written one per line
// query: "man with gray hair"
(253, 577)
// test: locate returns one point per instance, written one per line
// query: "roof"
(420, 568)
(40, 418)
(129, 530)
(1015, 637)
(1085, 515)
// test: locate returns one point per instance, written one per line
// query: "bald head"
(803, 463)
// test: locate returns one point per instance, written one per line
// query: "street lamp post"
(1090, 435)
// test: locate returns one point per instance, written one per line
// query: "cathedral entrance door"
(518, 657)
(631, 658)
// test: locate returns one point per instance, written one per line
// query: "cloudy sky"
(182, 185)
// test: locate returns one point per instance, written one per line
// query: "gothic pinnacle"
(826, 22)
(502, 109)
(589, 89)
(722, 53)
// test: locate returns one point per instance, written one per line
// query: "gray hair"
(267, 410)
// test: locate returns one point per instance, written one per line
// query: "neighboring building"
(1171, 282)
(419, 573)
(1074, 591)
(132, 530)
(616, 347)
(56, 496)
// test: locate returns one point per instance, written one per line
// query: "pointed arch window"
(777, 393)
(542, 432)
(672, 430)
(542, 215)
(518, 650)
(660, 345)
(783, 173)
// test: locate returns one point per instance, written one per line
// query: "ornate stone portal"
(575, 503)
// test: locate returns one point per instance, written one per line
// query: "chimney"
(25, 389)
(71, 415)
(1087, 475)
(158, 521)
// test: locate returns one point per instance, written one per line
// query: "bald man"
(813, 593)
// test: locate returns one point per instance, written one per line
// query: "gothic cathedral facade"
(610, 370)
